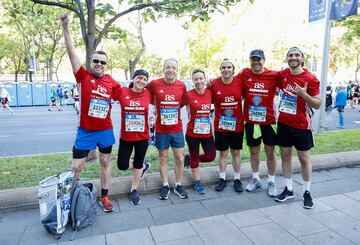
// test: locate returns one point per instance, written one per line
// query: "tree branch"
(57, 4)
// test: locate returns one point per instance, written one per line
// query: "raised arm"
(70, 48)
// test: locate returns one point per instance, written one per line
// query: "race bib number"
(257, 113)
(168, 116)
(134, 123)
(288, 104)
(202, 125)
(98, 108)
(227, 123)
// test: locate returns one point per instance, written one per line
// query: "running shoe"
(135, 198)
(286, 194)
(147, 167)
(180, 191)
(106, 204)
(164, 193)
(199, 188)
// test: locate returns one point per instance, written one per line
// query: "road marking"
(5, 136)
(356, 121)
(42, 134)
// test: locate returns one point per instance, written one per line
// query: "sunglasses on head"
(96, 61)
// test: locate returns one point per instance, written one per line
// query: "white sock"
(306, 186)
(166, 183)
(256, 175)
(288, 184)
(271, 178)
(222, 175)
(236, 175)
(177, 183)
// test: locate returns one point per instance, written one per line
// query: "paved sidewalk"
(216, 218)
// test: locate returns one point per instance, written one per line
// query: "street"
(34, 130)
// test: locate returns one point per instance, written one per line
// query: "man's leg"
(163, 167)
(78, 166)
(255, 182)
(270, 159)
(306, 168)
(105, 173)
(179, 163)
(236, 163)
(287, 173)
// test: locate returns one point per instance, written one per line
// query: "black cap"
(257, 53)
(141, 72)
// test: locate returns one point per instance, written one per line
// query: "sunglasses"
(96, 61)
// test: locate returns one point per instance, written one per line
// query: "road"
(34, 130)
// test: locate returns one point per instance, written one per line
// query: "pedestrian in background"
(340, 103)
(5, 99)
(328, 105)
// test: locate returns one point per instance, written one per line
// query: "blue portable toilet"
(39, 93)
(24, 93)
(68, 86)
(49, 86)
(11, 88)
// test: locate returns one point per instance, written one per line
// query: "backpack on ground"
(54, 201)
(83, 206)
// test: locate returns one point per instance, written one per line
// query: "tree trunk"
(90, 41)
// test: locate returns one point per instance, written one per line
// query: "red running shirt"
(259, 93)
(293, 109)
(168, 98)
(227, 103)
(134, 113)
(198, 107)
(95, 100)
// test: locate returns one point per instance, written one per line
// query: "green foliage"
(28, 171)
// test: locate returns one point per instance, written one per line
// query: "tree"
(94, 29)
(205, 45)
(351, 39)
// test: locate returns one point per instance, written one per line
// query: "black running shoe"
(135, 198)
(147, 167)
(186, 161)
(164, 193)
(286, 194)
(220, 185)
(179, 190)
(238, 186)
(308, 203)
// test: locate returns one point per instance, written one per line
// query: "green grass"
(18, 172)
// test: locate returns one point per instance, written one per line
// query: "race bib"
(134, 123)
(202, 125)
(168, 116)
(257, 113)
(288, 104)
(98, 108)
(227, 123)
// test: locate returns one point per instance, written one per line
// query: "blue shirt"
(341, 98)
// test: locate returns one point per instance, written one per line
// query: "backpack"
(83, 206)
(54, 202)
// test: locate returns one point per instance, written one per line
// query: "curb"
(26, 198)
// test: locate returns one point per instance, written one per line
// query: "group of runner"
(256, 85)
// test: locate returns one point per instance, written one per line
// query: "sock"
(256, 175)
(166, 183)
(341, 119)
(288, 184)
(222, 175)
(177, 183)
(271, 178)
(104, 192)
(236, 175)
(306, 186)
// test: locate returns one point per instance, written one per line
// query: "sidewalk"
(216, 217)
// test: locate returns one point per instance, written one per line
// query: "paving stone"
(354, 195)
(292, 220)
(94, 240)
(114, 222)
(341, 173)
(347, 184)
(133, 237)
(210, 194)
(264, 234)
(262, 199)
(11, 235)
(27, 217)
(186, 241)
(170, 232)
(219, 230)
(343, 203)
(319, 207)
(230, 204)
(178, 213)
(101, 212)
(327, 188)
(229, 189)
(147, 201)
(248, 218)
(36, 234)
(325, 237)
(340, 223)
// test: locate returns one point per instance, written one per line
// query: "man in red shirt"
(300, 92)
(168, 93)
(259, 91)
(95, 129)
(228, 122)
